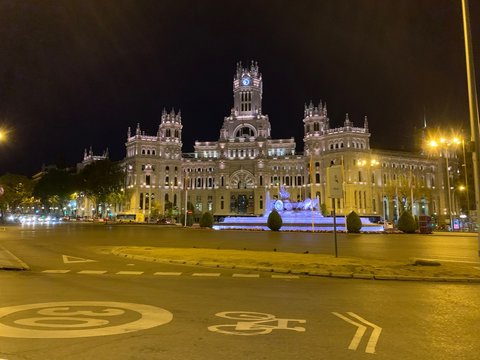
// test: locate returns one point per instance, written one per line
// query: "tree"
(100, 179)
(323, 209)
(354, 224)
(54, 188)
(206, 220)
(17, 191)
(406, 223)
(274, 221)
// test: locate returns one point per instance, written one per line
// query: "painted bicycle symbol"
(253, 323)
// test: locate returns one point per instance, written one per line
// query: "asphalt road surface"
(80, 302)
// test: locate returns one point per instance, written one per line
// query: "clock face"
(246, 81)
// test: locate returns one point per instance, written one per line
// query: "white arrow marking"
(372, 341)
(73, 259)
(358, 334)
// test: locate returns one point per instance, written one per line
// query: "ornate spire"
(347, 120)
(129, 133)
(365, 124)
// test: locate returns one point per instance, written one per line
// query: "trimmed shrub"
(406, 223)
(323, 209)
(274, 221)
(354, 224)
(206, 220)
(189, 219)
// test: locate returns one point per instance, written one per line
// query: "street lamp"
(444, 144)
(473, 109)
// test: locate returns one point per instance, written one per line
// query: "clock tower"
(247, 91)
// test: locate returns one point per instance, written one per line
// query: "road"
(80, 302)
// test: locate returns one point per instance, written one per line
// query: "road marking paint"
(285, 277)
(476, 268)
(206, 274)
(253, 323)
(168, 273)
(246, 275)
(375, 333)
(67, 259)
(372, 341)
(75, 319)
(130, 273)
(55, 271)
(92, 272)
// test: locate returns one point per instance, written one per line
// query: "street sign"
(335, 182)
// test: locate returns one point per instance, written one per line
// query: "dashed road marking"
(206, 274)
(168, 273)
(246, 275)
(56, 271)
(129, 273)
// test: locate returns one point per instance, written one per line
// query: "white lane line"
(285, 277)
(92, 272)
(167, 273)
(246, 275)
(130, 273)
(55, 271)
(206, 274)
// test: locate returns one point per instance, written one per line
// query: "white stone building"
(234, 174)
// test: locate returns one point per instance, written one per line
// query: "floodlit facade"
(235, 174)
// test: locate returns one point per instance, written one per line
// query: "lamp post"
(466, 175)
(473, 107)
(444, 145)
(186, 197)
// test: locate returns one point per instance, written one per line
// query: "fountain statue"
(284, 204)
(300, 215)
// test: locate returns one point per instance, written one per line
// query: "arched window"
(168, 133)
(316, 126)
(245, 131)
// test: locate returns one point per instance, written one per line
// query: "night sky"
(75, 74)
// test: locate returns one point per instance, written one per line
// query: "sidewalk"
(8, 261)
(308, 264)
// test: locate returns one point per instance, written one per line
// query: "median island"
(307, 264)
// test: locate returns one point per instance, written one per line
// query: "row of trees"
(100, 181)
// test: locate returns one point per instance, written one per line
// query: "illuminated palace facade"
(235, 174)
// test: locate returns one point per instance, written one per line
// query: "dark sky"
(75, 74)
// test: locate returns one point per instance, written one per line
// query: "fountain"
(296, 216)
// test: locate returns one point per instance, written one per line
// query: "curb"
(8, 261)
(337, 275)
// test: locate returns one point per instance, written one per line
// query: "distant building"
(236, 173)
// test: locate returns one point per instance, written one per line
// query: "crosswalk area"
(168, 274)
